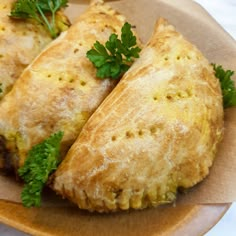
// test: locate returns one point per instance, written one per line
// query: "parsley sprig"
(227, 85)
(1, 88)
(39, 10)
(115, 58)
(42, 159)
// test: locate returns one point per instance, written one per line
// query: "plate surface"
(196, 25)
(61, 221)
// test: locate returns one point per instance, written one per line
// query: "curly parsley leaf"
(39, 10)
(227, 85)
(41, 161)
(115, 58)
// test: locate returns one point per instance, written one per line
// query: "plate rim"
(197, 212)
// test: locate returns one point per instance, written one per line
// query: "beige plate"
(202, 30)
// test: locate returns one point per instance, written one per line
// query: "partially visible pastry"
(20, 42)
(157, 131)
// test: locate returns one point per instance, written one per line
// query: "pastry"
(157, 131)
(59, 90)
(20, 42)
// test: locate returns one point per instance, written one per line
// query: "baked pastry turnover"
(59, 90)
(20, 42)
(158, 130)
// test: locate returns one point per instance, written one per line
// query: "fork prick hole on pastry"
(82, 83)
(140, 133)
(129, 134)
(153, 130)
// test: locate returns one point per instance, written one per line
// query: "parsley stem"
(53, 22)
(50, 28)
(53, 10)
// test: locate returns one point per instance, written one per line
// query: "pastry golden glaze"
(157, 130)
(20, 42)
(59, 90)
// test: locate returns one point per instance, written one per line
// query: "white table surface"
(224, 11)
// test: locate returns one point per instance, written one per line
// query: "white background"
(224, 11)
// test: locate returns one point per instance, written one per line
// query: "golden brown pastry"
(158, 130)
(59, 90)
(20, 42)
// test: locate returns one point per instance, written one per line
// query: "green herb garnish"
(227, 85)
(39, 10)
(115, 58)
(41, 161)
(1, 88)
